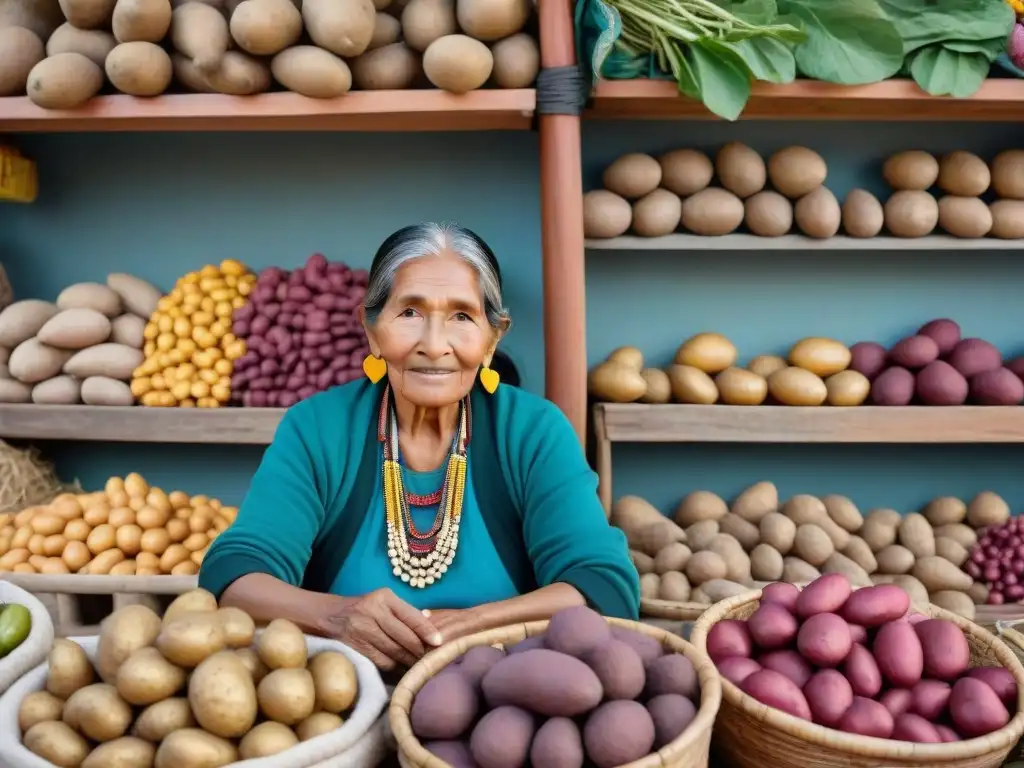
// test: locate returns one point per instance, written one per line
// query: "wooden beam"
(743, 242)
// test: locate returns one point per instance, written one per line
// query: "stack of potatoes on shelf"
(128, 528)
(962, 179)
(652, 197)
(81, 349)
(189, 347)
(704, 372)
(318, 48)
(711, 550)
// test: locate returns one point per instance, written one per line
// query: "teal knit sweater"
(534, 490)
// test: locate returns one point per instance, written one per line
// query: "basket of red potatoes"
(580, 689)
(832, 676)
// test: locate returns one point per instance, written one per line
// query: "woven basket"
(690, 750)
(670, 610)
(751, 734)
(38, 643)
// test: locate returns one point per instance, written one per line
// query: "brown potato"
(222, 696)
(56, 743)
(39, 707)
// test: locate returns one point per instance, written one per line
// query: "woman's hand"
(455, 623)
(385, 629)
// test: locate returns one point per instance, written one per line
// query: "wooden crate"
(78, 604)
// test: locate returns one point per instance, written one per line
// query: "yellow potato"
(282, 645)
(69, 669)
(737, 386)
(189, 638)
(121, 634)
(194, 747)
(39, 707)
(335, 681)
(708, 352)
(189, 602)
(103, 562)
(251, 661)
(267, 739)
(125, 752)
(146, 677)
(57, 743)
(797, 386)
(822, 357)
(98, 712)
(317, 724)
(692, 385)
(616, 383)
(102, 538)
(239, 628)
(286, 696)
(223, 696)
(159, 720)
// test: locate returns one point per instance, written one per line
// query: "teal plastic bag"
(598, 28)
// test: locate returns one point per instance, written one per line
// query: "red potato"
(999, 680)
(945, 332)
(898, 652)
(858, 634)
(894, 386)
(868, 358)
(944, 649)
(828, 695)
(867, 717)
(1017, 366)
(929, 699)
(975, 708)
(897, 701)
(914, 352)
(1000, 386)
(826, 594)
(875, 606)
(911, 727)
(736, 669)
(862, 671)
(772, 626)
(729, 638)
(947, 734)
(778, 691)
(824, 639)
(788, 663)
(781, 593)
(974, 356)
(939, 383)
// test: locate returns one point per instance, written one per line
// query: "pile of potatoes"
(80, 349)
(197, 688)
(189, 347)
(962, 179)
(128, 528)
(653, 196)
(318, 48)
(582, 693)
(862, 662)
(710, 550)
(937, 366)
(704, 372)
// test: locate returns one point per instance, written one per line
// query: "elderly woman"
(411, 508)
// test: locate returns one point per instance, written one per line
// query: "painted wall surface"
(159, 205)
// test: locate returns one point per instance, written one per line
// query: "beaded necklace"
(420, 558)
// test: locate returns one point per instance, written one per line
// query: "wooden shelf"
(137, 424)
(744, 242)
(635, 423)
(898, 100)
(414, 110)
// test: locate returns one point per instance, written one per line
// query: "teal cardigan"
(535, 490)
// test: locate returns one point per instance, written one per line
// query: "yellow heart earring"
(374, 368)
(490, 379)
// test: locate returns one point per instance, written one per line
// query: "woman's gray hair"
(430, 239)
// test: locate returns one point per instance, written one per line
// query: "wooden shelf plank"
(80, 584)
(414, 110)
(137, 424)
(635, 423)
(745, 242)
(897, 100)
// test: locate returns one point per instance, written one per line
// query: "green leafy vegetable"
(944, 72)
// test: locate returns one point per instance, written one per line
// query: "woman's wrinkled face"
(433, 332)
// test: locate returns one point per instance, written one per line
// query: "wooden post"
(561, 194)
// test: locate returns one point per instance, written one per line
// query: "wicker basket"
(690, 750)
(750, 734)
(670, 610)
(38, 643)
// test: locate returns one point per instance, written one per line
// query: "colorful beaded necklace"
(421, 558)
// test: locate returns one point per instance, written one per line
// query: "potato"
(1000, 680)
(282, 645)
(913, 170)
(998, 387)
(503, 734)
(86, 14)
(311, 71)
(866, 717)
(898, 652)
(914, 588)
(1007, 219)
(60, 390)
(959, 603)
(58, 744)
(445, 707)
(159, 720)
(893, 387)
(542, 681)
(778, 532)
(675, 587)
(862, 671)
(740, 170)
(620, 669)
(797, 387)
(628, 356)
(766, 365)
(962, 173)
(914, 352)
(746, 533)
(195, 600)
(605, 214)
(424, 21)
(286, 696)
(756, 502)
(576, 631)
(98, 712)
(1008, 174)
(685, 171)
(874, 606)
(125, 752)
(895, 559)
(976, 709)
(958, 532)
(239, 628)
(22, 51)
(727, 638)
(944, 648)
(343, 27)
(22, 320)
(238, 74)
(659, 388)
(121, 634)
(772, 626)
(145, 21)
(32, 362)
(823, 357)
(317, 724)
(937, 574)
(201, 33)
(826, 594)
(39, 707)
(617, 733)
(797, 571)
(139, 69)
(915, 533)
(869, 358)
(146, 677)
(266, 739)
(265, 27)
(828, 696)
(708, 352)
(75, 329)
(768, 214)
(632, 176)
(94, 44)
(737, 386)
(616, 383)
(491, 20)
(862, 214)
(102, 390)
(712, 212)
(632, 512)
(778, 691)
(817, 214)
(222, 695)
(655, 214)
(672, 557)
(700, 506)
(824, 639)
(860, 553)
(194, 747)
(190, 638)
(911, 214)
(796, 171)
(114, 361)
(967, 217)
(704, 566)
(692, 385)
(90, 296)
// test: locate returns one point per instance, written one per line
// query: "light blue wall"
(159, 205)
